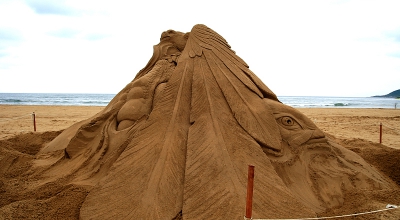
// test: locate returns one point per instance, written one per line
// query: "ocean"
(75, 99)
(55, 99)
(339, 102)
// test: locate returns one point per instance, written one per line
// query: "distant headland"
(394, 94)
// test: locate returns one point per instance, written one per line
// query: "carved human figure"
(144, 90)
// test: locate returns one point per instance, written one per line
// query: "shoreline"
(343, 123)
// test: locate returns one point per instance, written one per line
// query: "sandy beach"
(351, 123)
(357, 129)
(343, 123)
(17, 119)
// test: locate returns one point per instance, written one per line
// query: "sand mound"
(17, 201)
(176, 143)
(384, 158)
(63, 201)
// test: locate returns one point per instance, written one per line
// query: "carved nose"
(317, 134)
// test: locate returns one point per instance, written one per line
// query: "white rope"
(14, 118)
(388, 207)
(390, 127)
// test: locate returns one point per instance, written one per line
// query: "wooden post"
(34, 121)
(249, 198)
(380, 133)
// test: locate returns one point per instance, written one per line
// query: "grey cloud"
(394, 35)
(4, 64)
(52, 7)
(395, 54)
(96, 36)
(3, 54)
(9, 38)
(65, 33)
(9, 35)
(72, 33)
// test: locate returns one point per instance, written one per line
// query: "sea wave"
(10, 101)
(104, 99)
(55, 99)
(338, 102)
(341, 104)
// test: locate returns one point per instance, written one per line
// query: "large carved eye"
(288, 121)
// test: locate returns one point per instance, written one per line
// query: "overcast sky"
(297, 48)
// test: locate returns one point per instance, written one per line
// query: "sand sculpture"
(177, 140)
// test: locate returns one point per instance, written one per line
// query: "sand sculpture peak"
(179, 138)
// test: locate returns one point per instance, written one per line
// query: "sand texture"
(175, 143)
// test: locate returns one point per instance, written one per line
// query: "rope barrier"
(391, 127)
(33, 116)
(249, 207)
(359, 125)
(14, 118)
(388, 207)
(380, 128)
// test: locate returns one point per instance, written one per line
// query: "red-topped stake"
(249, 198)
(34, 121)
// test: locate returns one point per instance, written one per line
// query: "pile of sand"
(62, 201)
(176, 141)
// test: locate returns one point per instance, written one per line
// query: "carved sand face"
(295, 128)
(140, 96)
(179, 39)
